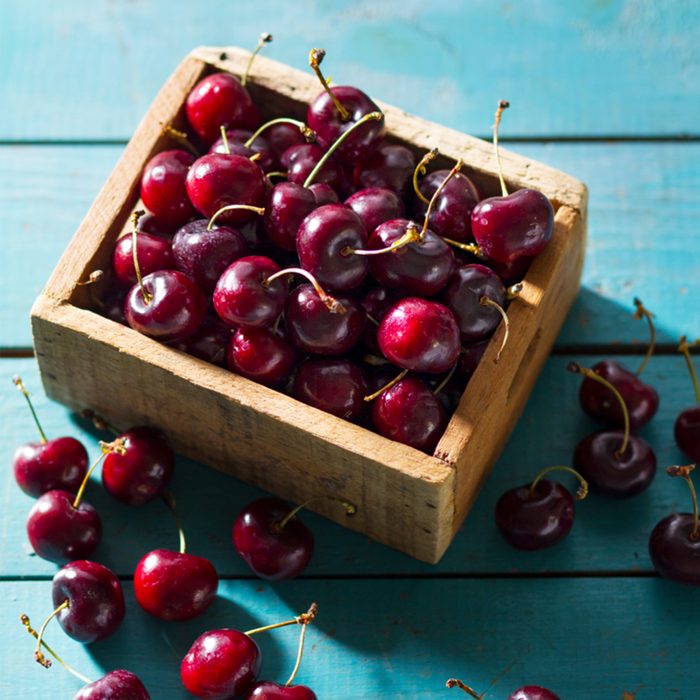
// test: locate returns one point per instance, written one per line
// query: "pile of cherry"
(400, 270)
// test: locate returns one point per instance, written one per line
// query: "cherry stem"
(472, 248)
(372, 116)
(117, 446)
(421, 170)
(685, 473)
(94, 277)
(169, 501)
(514, 291)
(300, 653)
(485, 301)
(684, 347)
(412, 235)
(24, 619)
(265, 38)
(581, 491)
(233, 207)
(277, 173)
(446, 380)
(457, 167)
(316, 57)
(640, 313)
(224, 140)
(303, 619)
(20, 385)
(502, 105)
(456, 683)
(180, 136)
(38, 654)
(350, 509)
(592, 374)
(332, 304)
(99, 421)
(308, 133)
(147, 297)
(388, 386)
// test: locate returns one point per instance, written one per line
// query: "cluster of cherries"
(400, 270)
(616, 463)
(62, 527)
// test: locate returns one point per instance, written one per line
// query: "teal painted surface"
(610, 67)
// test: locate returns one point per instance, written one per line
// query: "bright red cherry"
(389, 165)
(154, 253)
(286, 206)
(687, 426)
(266, 690)
(375, 205)
(208, 343)
(115, 685)
(48, 465)
(420, 335)
(163, 187)
(261, 354)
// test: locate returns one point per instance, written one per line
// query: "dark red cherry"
(510, 272)
(409, 412)
(59, 532)
(208, 343)
(149, 223)
(323, 240)
(143, 471)
(163, 187)
(95, 606)
(220, 665)
(286, 206)
(235, 143)
(60, 463)
(312, 327)
(174, 585)
(332, 385)
(220, 100)
(273, 552)
(422, 267)
(112, 304)
(451, 214)
(611, 472)
(299, 161)
(463, 295)
(420, 335)
(154, 253)
(242, 296)
(323, 194)
(261, 354)
(687, 432)
(597, 401)
(203, 255)
(470, 357)
(115, 685)
(389, 165)
(375, 205)
(175, 309)
(281, 137)
(532, 692)
(266, 690)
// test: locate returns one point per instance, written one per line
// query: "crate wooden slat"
(406, 499)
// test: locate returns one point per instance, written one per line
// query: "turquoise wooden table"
(605, 90)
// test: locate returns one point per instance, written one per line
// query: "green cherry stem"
(224, 140)
(147, 297)
(332, 304)
(316, 57)
(421, 170)
(502, 105)
(233, 207)
(169, 501)
(117, 446)
(456, 683)
(685, 472)
(387, 386)
(180, 137)
(303, 619)
(684, 347)
(350, 509)
(643, 313)
(20, 386)
(306, 132)
(582, 490)
(300, 653)
(445, 380)
(265, 38)
(457, 167)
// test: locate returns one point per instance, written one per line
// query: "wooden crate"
(406, 499)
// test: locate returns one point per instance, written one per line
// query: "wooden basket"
(406, 499)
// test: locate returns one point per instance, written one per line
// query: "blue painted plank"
(643, 218)
(608, 536)
(397, 639)
(88, 69)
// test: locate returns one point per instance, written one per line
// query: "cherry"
(470, 357)
(140, 471)
(48, 465)
(687, 426)
(175, 585)
(281, 136)
(614, 462)
(112, 304)
(166, 305)
(286, 206)
(540, 514)
(389, 165)
(674, 544)
(408, 412)
(640, 398)
(300, 161)
(261, 354)
(149, 223)
(154, 253)
(323, 325)
(236, 141)
(420, 335)
(115, 685)
(245, 295)
(337, 109)
(163, 187)
(332, 385)
(208, 343)
(375, 205)
(203, 253)
(266, 690)
(513, 225)
(323, 193)
(511, 272)
(527, 692)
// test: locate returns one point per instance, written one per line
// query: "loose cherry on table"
(614, 462)
(61, 526)
(47, 465)
(261, 354)
(175, 585)
(687, 426)
(271, 539)
(225, 663)
(539, 514)
(527, 692)
(674, 544)
(640, 398)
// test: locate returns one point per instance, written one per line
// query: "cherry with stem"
(528, 692)
(687, 426)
